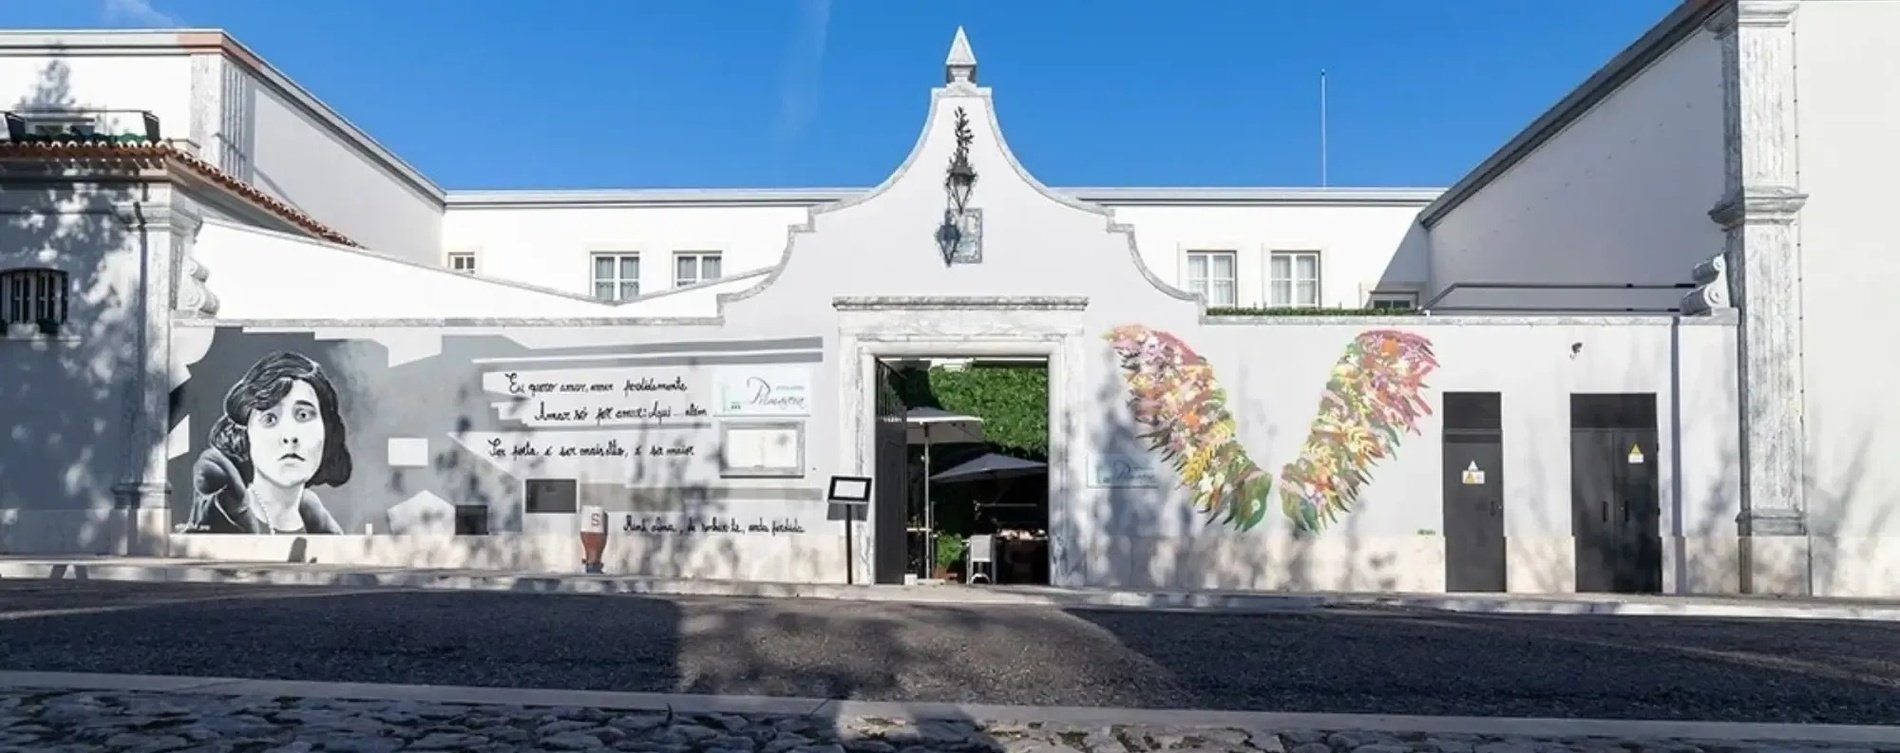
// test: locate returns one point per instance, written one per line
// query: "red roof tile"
(172, 158)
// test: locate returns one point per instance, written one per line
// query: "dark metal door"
(1592, 500)
(1639, 533)
(890, 470)
(1474, 492)
(1615, 492)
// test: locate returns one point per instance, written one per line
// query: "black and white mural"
(411, 431)
(279, 433)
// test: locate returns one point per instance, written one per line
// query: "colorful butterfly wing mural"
(1373, 396)
(1183, 411)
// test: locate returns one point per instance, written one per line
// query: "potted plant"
(949, 556)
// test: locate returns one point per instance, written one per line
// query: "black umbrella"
(992, 466)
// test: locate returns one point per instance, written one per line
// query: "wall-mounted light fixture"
(959, 234)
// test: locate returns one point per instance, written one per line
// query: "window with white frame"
(1211, 273)
(694, 267)
(33, 297)
(1293, 279)
(1392, 300)
(616, 276)
(462, 262)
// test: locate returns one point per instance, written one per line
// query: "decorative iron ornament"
(960, 236)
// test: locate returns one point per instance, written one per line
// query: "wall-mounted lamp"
(958, 183)
(961, 178)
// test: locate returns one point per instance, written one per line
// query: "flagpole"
(1322, 127)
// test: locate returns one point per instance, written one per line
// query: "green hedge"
(1011, 400)
(1229, 311)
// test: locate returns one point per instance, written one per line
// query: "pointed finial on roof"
(961, 65)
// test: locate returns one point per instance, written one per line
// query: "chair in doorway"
(981, 551)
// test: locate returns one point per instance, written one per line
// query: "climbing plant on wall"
(1011, 400)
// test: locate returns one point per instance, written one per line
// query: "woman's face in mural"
(287, 438)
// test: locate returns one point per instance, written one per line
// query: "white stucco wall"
(64, 398)
(155, 81)
(1848, 155)
(1393, 539)
(553, 246)
(282, 147)
(1621, 195)
(1361, 248)
(258, 274)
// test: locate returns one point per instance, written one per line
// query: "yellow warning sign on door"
(1472, 476)
(1636, 454)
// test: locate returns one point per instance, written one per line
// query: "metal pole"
(930, 530)
(1322, 127)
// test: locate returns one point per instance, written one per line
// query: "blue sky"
(717, 93)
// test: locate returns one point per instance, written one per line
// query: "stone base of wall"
(127, 532)
(1396, 563)
(1854, 566)
(795, 558)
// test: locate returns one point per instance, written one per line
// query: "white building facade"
(1631, 375)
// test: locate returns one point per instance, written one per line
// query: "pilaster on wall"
(167, 280)
(1759, 213)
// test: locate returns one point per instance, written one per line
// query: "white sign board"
(1636, 455)
(1473, 476)
(767, 390)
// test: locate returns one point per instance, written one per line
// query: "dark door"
(890, 469)
(1474, 492)
(1615, 493)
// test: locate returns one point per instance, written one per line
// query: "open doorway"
(975, 475)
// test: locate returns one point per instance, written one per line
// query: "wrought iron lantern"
(961, 178)
(958, 183)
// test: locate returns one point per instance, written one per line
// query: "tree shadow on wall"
(69, 398)
(1153, 537)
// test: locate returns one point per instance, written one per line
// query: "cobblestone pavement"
(1335, 661)
(128, 722)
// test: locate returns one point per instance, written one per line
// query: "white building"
(243, 217)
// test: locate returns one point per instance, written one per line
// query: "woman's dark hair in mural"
(281, 433)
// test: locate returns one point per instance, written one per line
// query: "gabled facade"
(1628, 399)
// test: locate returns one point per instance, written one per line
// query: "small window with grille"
(33, 297)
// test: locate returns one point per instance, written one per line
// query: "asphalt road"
(1335, 661)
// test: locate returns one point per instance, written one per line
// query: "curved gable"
(885, 242)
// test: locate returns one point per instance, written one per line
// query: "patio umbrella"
(930, 426)
(991, 465)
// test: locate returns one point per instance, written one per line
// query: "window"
(50, 125)
(1211, 273)
(694, 267)
(1392, 301)
(616, 276)
(33, 296)
(462, 262)
(1293, 279)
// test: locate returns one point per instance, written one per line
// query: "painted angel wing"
(1173, 393)
(1373, 397)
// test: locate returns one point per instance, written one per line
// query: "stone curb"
(367, 577)
(976, 713)
(270, 573)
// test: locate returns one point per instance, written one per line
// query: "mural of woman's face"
(287, 438)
